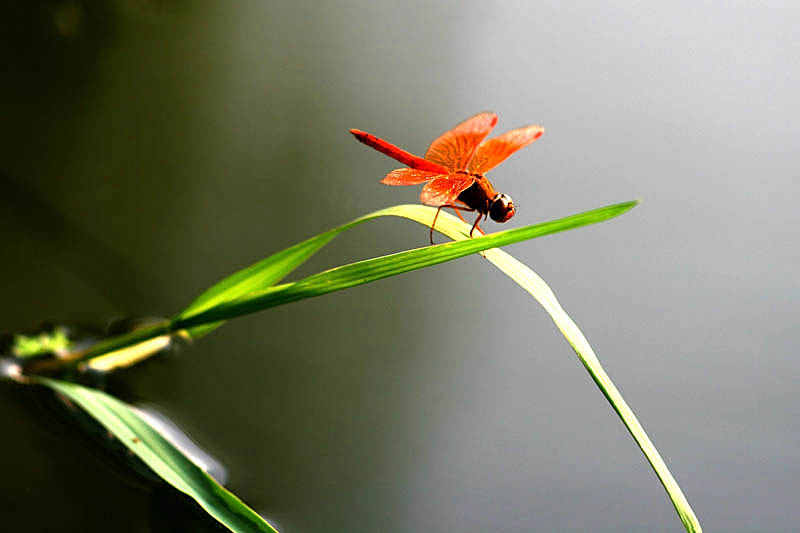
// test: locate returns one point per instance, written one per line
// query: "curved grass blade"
(377, 268)
(267, 272)
(535, 285)
(244, 293)
(162, 457)
(250, 289)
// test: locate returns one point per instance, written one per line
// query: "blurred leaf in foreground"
(161, 456)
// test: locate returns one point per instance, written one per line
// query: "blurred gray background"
(150, 148)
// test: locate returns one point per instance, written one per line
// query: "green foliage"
(250, 290)
(531, 282)
(56, 342)
(161, 456)
(253, 289)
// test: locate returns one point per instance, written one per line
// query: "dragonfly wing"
(409, 176)
(494, 151)
(444, 190)
(455, 148)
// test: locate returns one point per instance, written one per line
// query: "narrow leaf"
(381, 267)
(162, 457)
(268, 271)
(250, 289)
(535, 285)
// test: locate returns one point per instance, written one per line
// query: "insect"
(454, 166)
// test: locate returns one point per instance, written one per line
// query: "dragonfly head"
(501, 208)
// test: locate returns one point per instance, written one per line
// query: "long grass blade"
(162, 457)
(535, 285)
(237, 302)
(251, 290)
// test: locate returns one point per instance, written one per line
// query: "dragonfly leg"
(434, 221)
(475, 225)
(457, 209)
(458, 212)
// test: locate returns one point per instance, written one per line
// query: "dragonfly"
(454, 167)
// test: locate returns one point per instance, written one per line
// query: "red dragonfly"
(454, 166)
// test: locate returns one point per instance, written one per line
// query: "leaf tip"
(627, 206)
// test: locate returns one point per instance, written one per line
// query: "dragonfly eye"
(502, 208)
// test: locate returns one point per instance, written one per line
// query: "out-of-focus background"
(149, 148)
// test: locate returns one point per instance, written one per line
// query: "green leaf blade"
(390, 265)
(541, 292)
(162, 457)
(264, 273)
(251, 290)
(378, 268)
